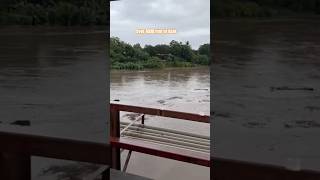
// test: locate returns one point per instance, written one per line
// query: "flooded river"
(267, 92)
(55, 80)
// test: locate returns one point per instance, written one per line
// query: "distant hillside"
(264, 8)
(53, 12)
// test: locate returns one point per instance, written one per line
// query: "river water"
(54, 78)
(266, 91)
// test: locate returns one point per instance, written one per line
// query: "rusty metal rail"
(160, 112)
(16, 151)
(146, 147)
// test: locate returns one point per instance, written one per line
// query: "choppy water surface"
(54, 79)
(267, 91)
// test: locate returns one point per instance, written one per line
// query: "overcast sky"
(191, 19)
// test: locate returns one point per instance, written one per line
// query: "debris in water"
(286, 88)
(174, 97)
(286, 125)
(161, 101)
(302, 124)
(224, 115)
(201, 89)
(254, 125)
(21, 123)
(271, 148)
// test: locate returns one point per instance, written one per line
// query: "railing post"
(115, 132)
(142, 119)
(15, 166)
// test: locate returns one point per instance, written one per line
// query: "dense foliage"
(264, 8)
(176, 54)
(53, 12)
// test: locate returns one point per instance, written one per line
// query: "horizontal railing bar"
(142, 127)
(176, 146)
(166, 140)
(167, 136)
(161, 112)
(57, 148)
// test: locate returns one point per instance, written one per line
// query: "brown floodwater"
(55, 79)
(266, 91)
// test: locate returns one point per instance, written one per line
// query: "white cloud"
(191, 19)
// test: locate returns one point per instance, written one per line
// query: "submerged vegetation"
(176, 54)
(264, 8)
(53, 12)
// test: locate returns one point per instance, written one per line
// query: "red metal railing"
(16, 151)
(190, 157)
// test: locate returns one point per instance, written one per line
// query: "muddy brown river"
(266, 81)
(55, 80)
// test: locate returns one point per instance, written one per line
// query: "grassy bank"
(151, 65)
(176, 54)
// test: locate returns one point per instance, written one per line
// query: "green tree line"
(264, 8)
(176, 54)
(53, 12)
